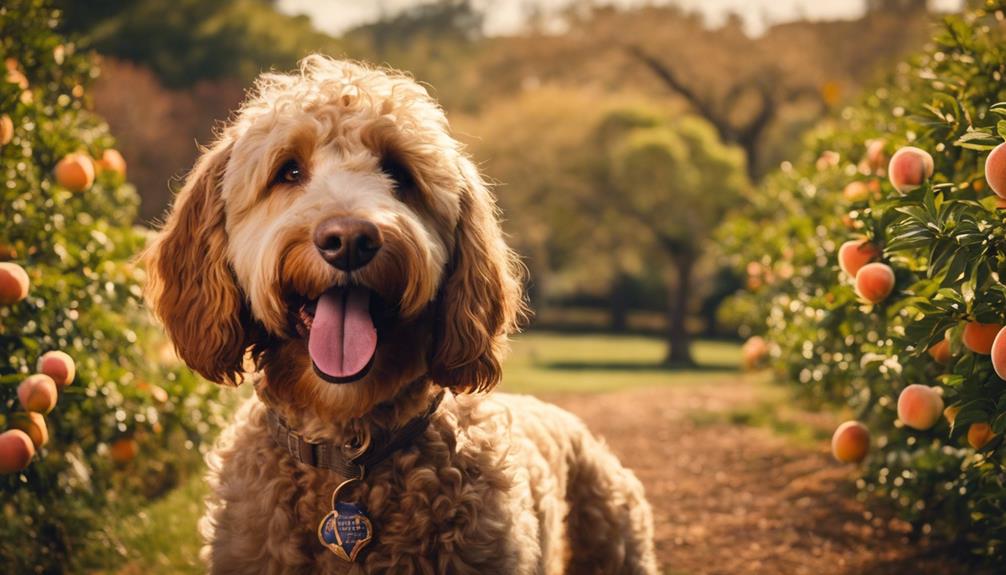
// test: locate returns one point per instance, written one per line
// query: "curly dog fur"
(496, 483)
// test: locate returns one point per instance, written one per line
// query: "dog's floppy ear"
(482, 298)
(189, 282)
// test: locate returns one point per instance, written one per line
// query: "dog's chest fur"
(482, 491)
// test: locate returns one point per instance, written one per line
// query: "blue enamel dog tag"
(346, 530)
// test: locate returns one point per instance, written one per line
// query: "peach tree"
(67, 216)
(875, 268)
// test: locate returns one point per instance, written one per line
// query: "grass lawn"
(162, 538)
(551, 363)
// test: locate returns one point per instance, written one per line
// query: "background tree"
(529, 145)
(542, 146)
(676, 180)
(759, 92)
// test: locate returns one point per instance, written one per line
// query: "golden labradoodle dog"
(338, 238)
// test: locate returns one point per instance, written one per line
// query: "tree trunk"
(679, 351)
(619, 308)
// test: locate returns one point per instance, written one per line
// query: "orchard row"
(39, 393)
(919, 406)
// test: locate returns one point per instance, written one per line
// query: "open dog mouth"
(341, 329)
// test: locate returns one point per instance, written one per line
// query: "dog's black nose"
(347, 243)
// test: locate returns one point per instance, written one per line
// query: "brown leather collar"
(333, 457)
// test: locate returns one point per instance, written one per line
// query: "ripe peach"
(124, 450)
(854, 254)
(979, 434)
(59, 366)
(856, 192)
(827, 159)
(995, 170)
(876, 158)
(754, 351)
(851, 442)
(37, 393)
(13, 283)
(34, 425)
(909, 168)
(6, 130)
(998, 353)
(75, 172)
(113, 161)
(940, 351)
(920, 406)
(979, 337)
(16, 451)
(874, 282)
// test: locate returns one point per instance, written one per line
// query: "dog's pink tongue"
(343, 338)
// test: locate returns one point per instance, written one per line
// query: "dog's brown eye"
(397, 171)
(289, 173)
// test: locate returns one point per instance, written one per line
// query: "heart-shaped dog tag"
(346, 530)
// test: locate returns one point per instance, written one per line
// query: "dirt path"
(731, 499)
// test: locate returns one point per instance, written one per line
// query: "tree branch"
(766, 83)
(671, 80)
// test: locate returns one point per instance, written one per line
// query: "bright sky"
(506, 16)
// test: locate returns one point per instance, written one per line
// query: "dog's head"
(337, 235)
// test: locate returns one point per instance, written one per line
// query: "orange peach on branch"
(854, 254)
(32, 424)
(14, 283)
(979, 434)
(874, 282)
(37, 393)
(920, 406)
(16, 451)
(998, 353)
(112, 161)
(940, 352)
(59, 366)
(6, 130)
(851, 442)
(995, 170)
(979, 337)
(75, 172)
(909, 168)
